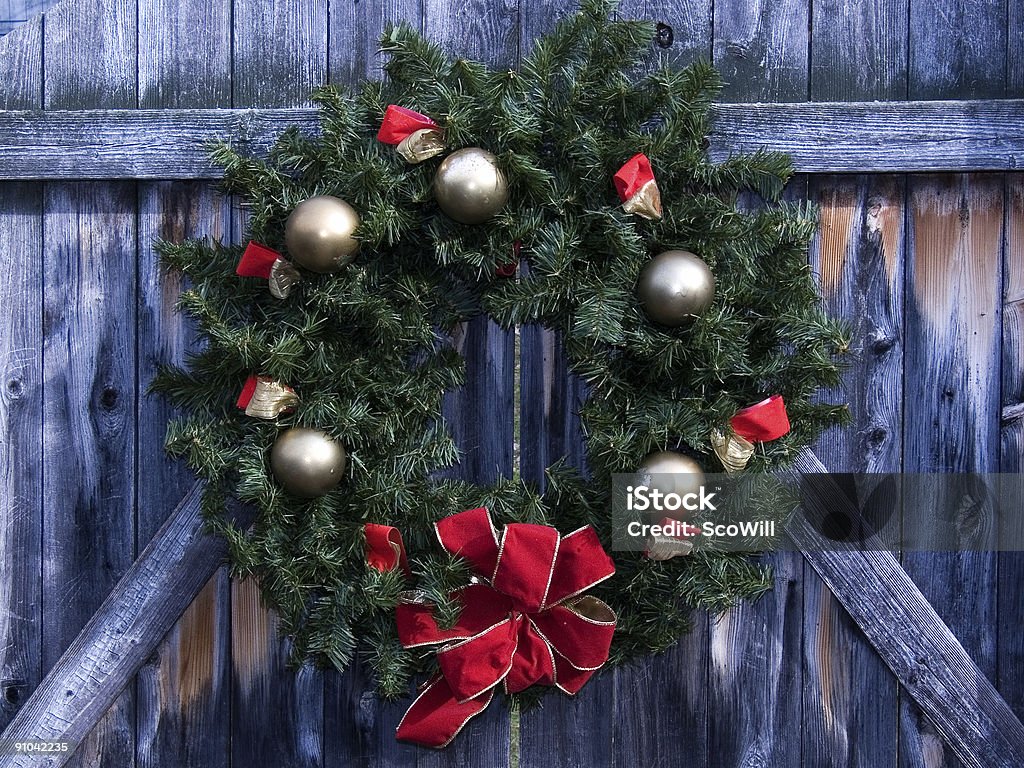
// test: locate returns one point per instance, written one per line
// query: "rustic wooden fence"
(928, 268)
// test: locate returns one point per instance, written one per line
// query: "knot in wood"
(663, 35)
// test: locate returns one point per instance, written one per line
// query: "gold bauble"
(320, 233)
(671, 472)
(675, 287)
(307, 462)
(469, 185)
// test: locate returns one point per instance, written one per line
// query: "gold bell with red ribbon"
(415, 136)
(637, 187)
(261, 261)
(266, 398)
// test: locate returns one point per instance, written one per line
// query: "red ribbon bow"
(762, 421)
(528, 624)
(385, 549)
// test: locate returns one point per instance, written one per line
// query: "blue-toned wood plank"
(761, 49)
(183, 691)
(1010, 649)
(849, 697)
(89, 416)
(755, 676)
(359, 728)
(279, 56)
(860, 137)
(951, 424)
(21, 395)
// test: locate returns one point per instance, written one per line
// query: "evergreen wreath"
(367, 350)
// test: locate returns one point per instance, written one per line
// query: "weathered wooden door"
(929, 269)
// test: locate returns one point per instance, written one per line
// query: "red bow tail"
(385, 549)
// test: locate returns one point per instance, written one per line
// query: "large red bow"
(528, 624)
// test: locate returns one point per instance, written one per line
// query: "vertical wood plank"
(89, 408)
(761, 49)
(858, 53)
(667, 693)
(755, 674)
(480, 414)
(1010, 650)
(21, 394)
(359, 728)
(957, 50)
(563, 730)
(21, 67)
(88, 424)
(355, 29)
(183, 696)
(850, 698)
(280, 51)
(280, 55)
(859, 50)
(951, 425)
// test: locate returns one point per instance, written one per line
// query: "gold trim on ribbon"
(732, 450)
(421, 145)
(646, 202)
(270, 399)
(283, 277)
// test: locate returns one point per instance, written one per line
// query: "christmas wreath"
(575, 193)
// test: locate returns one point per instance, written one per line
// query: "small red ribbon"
(399, 123)
(763, 421)
(631, 177)
(257, 261)
(385, 550)
(526, 622)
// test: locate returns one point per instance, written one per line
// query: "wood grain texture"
(859, 50)
(126, 629)
(355, 29)
(849, 697)
(21, 396)
(1010, 648)
(88, 422)
(183, 697)
(958, 48)
(280, 51)
(761, 49)
(941, 676)
(183, 690)
(21, 67)
(952, 365)
(280, 55)
(21, 387)
(825, 137)
(89, 416)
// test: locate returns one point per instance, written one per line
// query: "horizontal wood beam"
(821, 137)
(927, 659)
(119, 638)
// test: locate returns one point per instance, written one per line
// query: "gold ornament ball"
(671, 472)
(320, 233)
(469, 186)
(307, 462)
(675, 287)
